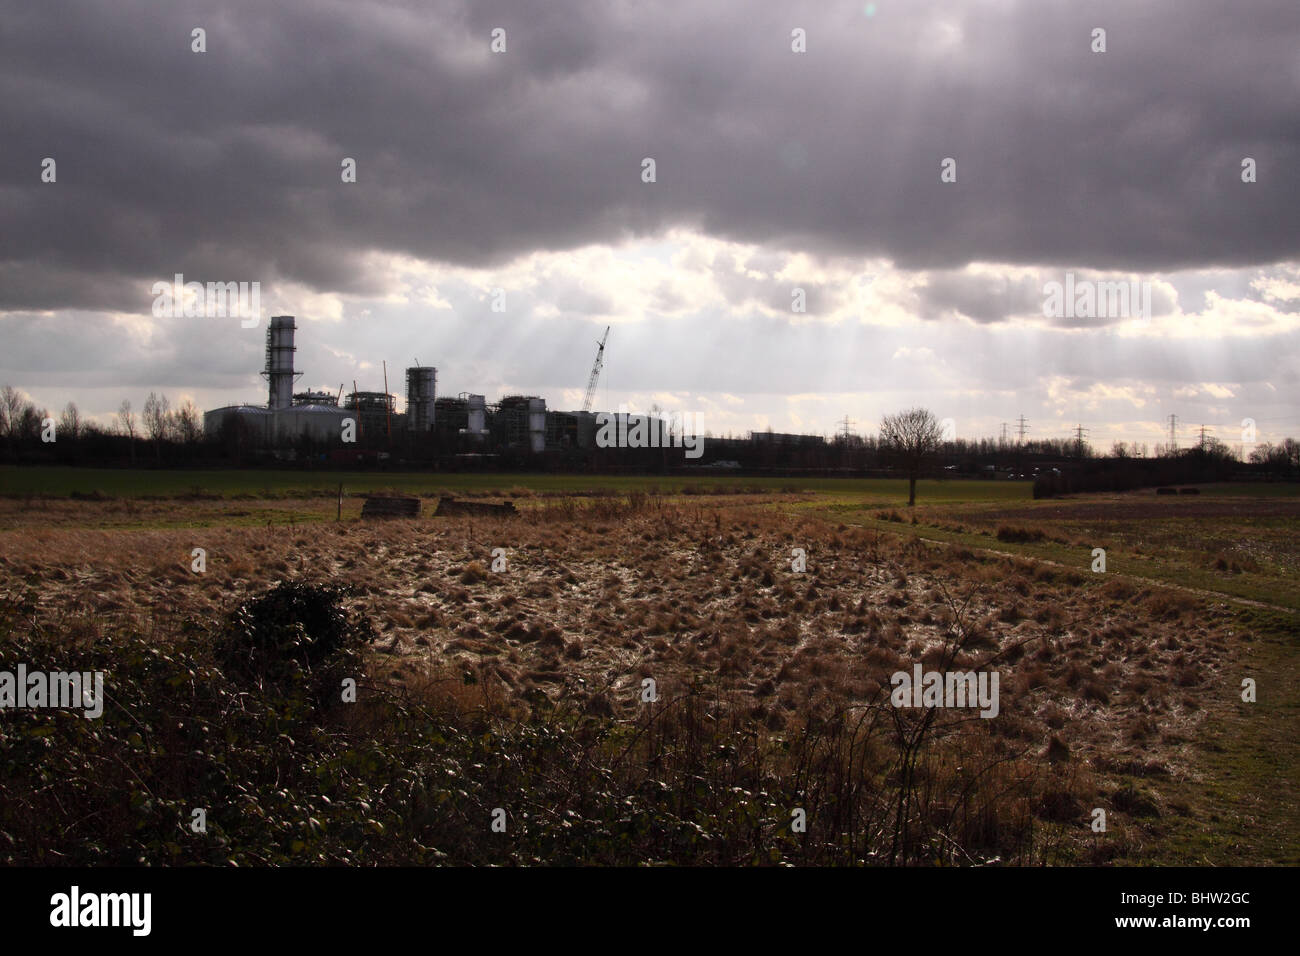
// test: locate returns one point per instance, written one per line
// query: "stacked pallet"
(387, 506)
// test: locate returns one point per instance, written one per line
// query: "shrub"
(1019, 535)
(295, 633)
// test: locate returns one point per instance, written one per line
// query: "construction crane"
(595, 372)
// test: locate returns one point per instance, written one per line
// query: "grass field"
(1240, 540)
(124, 483)
(1121, 689)
(1236, 540)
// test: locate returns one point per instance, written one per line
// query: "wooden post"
(340, 517)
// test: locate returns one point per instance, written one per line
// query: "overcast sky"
(775, 170)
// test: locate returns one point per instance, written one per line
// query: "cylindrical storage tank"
(421, 386)
(318, 423)
(537, 424)
(476, 414)
(248, 422)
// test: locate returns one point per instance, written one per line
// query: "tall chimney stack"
(279, 362)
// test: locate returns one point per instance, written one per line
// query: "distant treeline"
(162, 436)
(159, 433)
(1192, 466)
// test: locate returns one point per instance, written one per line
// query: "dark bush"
(1019, 535)
(295, 633)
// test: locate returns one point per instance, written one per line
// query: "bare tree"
(31, 422)
(913, 436)
(157, 415)
(70, 422)
(1276, 458)
(12, 403)
(126, 424)
(188, 422)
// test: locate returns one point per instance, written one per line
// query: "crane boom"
(595, 371)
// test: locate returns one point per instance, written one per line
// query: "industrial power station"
(354, 422)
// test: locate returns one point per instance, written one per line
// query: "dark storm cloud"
(225, 165)
(980, 298)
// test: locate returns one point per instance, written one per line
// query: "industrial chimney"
(279, 362)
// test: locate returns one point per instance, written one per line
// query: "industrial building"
(286, 418)
(316, 420)
(360, 426)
